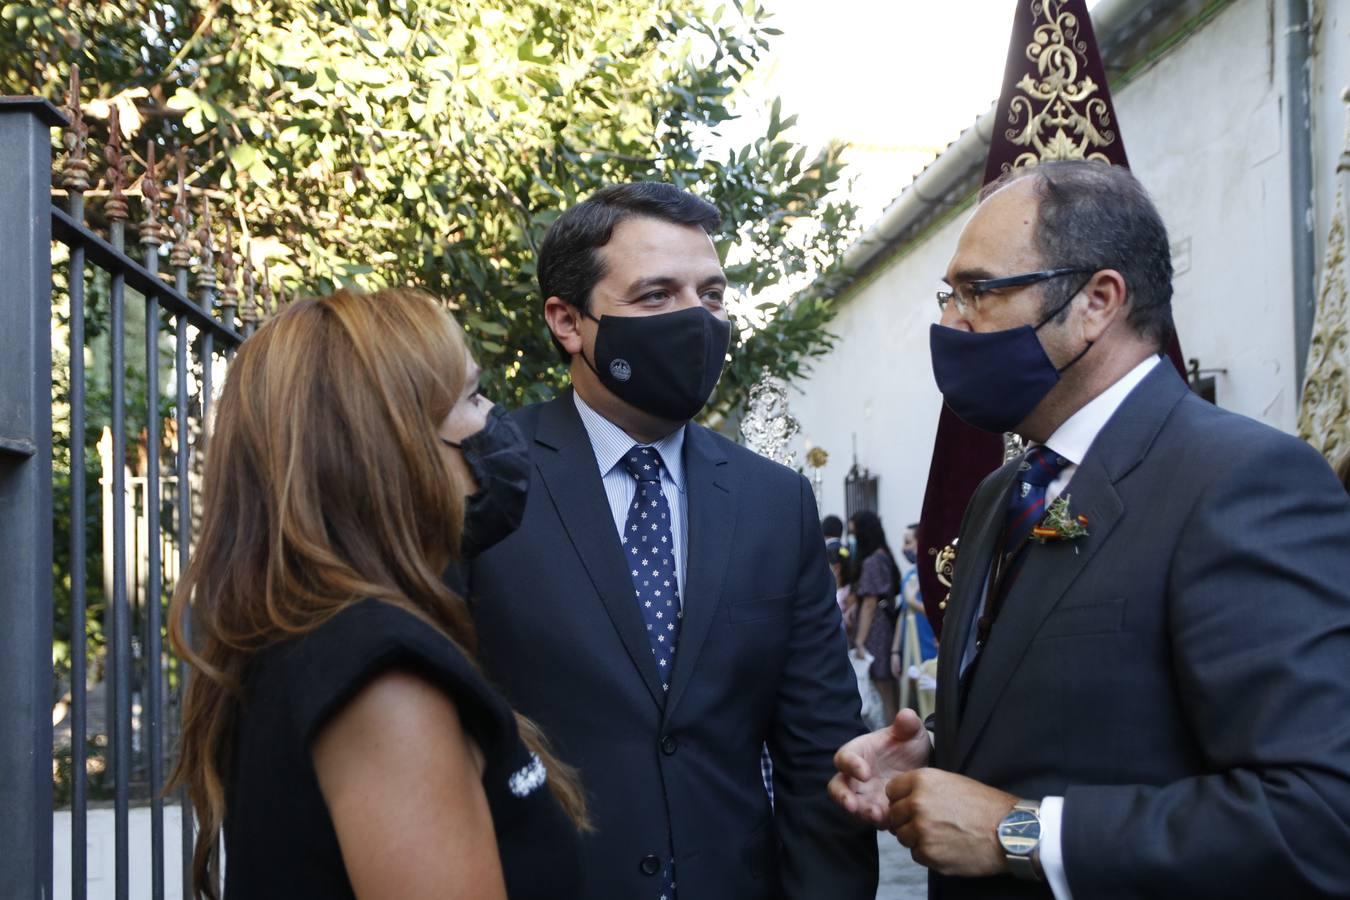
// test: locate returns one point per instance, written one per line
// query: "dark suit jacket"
(1181, 676)
(762, 657)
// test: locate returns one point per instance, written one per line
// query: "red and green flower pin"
(1059, 524)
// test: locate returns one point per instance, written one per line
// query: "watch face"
(1019, 832)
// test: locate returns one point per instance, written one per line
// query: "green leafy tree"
(432, 143)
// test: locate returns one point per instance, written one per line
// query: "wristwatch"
(1020, 836)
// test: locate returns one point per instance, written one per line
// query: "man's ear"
(564, 321)
(1107, 295)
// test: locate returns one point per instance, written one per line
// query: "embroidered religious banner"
(1055, 103)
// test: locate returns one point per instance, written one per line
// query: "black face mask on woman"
(665, 365)
(499, 459)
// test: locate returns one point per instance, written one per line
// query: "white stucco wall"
(102, 853)
(1205, 131)
(878, 385)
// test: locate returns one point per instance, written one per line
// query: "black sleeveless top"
(279, 839)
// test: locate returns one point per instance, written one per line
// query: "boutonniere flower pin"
(1059, 524)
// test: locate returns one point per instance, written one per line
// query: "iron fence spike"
(248, 310)
(76, 169)
(269, 299)
(181, 257)
(152, 232)
(206, 276)
(228, 292)
(116, 206)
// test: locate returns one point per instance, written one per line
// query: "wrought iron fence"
(187, 342)
(860, 491)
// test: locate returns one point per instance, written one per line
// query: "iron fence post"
(26, 498)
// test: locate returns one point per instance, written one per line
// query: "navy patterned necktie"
(649, 547)
(649, 543)
(1026, 508)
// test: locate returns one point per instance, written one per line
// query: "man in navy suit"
(664, 610)
(1143, 683)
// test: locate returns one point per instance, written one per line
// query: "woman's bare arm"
(403, 786)
(868, 610)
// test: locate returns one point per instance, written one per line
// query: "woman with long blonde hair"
(337, 731)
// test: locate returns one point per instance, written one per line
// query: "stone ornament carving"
(1324, 411)
(768, 426)
(1059, 112)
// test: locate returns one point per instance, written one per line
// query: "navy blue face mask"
(993, 380)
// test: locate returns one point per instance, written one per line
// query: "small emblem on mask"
(621, 370)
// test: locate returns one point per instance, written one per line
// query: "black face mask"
(665, 365)
(499, 459)
(910, 555)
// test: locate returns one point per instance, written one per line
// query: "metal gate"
(185, 343)
(860, 491)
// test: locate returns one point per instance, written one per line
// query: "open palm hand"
(868, 761)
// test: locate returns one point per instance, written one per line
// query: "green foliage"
(431, 142)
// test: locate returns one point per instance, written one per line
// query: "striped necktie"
(1026, 508)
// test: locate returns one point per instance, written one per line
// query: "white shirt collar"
(1072, 439)
(611, 443)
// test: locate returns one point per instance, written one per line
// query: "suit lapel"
(973, 558)
(1050, 569)
(566, 463)
(1048, 572)
(712, 515)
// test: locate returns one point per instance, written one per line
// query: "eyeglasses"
(967, 296)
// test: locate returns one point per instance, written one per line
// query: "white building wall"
(1206, 134)
(1205, 131)
(100, 837)
(878, 384)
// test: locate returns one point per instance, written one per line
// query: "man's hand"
(867, 762)
(949, 822)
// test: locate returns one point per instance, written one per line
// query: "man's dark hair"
(569, 257)
(1094, 215)
(832, 527)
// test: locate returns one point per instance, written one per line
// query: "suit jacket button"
(650, 864)
(668, 745)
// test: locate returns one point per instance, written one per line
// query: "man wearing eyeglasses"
(1144, 680)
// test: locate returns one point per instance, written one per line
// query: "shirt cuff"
(1052, 855)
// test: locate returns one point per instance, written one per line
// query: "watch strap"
(1024, 868)
(1027, 867)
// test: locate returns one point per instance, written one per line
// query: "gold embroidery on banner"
(945, 567)
(1324, 413)
(1057, 115)
(1324, 419)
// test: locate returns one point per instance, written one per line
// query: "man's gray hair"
(1094, 215)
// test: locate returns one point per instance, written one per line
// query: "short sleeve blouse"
(279, 839)
(878, 576)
